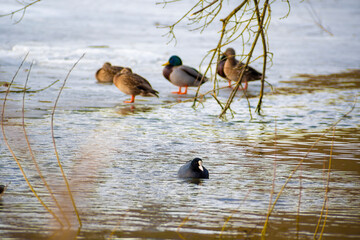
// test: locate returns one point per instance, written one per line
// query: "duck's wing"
(250, 73)
(143, 84)
(192, 72)
(254, 74)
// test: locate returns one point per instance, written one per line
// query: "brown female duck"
(133, 84)
(233, 69)
(107, 73)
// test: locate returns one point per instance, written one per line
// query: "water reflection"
(132, 109)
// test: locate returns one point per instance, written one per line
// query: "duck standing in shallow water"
(107, 73)
(182, 75)
(133, 84)
(233, 69)
(193, 169)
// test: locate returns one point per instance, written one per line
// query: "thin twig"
(274, 167)
(32, 153)
(232, 214)
(299, 204)
(205, 7)
(26, 90)
(13, 154)
(23, 9)
(261, 29)
(326, 199)
(54, 143)
(316, 19)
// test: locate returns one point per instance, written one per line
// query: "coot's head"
(2, 188)
(196, 165)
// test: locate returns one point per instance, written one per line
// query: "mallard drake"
(233, 69)
(182, 75)
(193, 169)
(133, 84)
(107, 73)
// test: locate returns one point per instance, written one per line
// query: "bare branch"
(23, 10)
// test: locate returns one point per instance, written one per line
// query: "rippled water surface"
(121, 159)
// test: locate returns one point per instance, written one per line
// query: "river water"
(121, 159)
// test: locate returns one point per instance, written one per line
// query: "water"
(121, 160)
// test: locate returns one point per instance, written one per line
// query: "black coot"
(2, 189)
(193, 169)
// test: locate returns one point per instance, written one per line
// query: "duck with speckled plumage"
(233, 69)
(132, 84)
(107, 73)
(181, 75)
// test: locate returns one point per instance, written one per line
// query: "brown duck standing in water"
(107, 73)
(233, 69)
(133, 84)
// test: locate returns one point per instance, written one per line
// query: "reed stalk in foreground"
(12, 152)
(31, 152)
(326, 200)
(299, 164)
(33, 155)
(231, 215)
(54, 142)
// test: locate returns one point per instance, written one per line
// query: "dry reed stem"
(32, 153)
(274, 167)
(12, 152)
(300, 163)
(231, 215)
(117, 225)
(26, 90)
(185, 220)
(54, 142)
(299, 204)
(326, 200)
